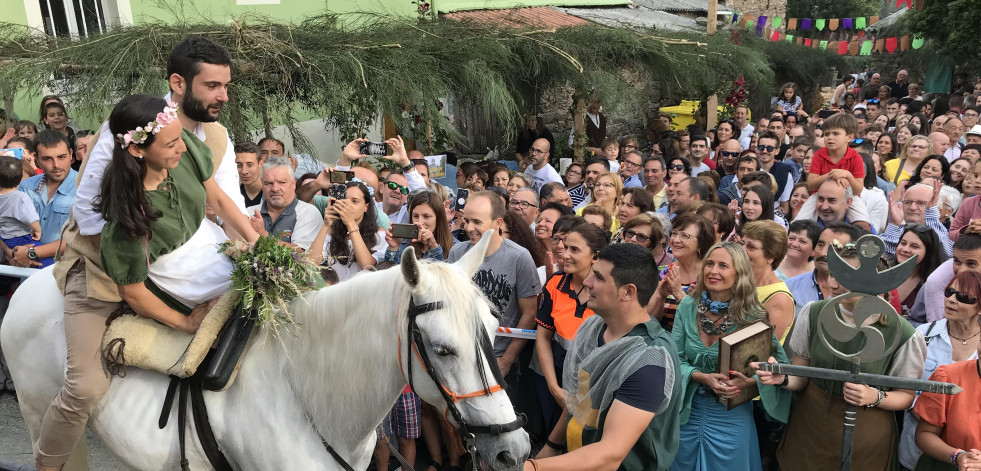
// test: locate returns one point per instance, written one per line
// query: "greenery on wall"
(403, 67)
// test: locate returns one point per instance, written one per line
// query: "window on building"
(74, 18)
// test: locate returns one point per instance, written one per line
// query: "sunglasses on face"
(630, 234)
(961, 297)
(726, 153)
(395, 186)
(763, 148)
(856, 142)
(677, 167)
(874, 101)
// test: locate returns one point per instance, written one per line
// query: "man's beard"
(196, 109)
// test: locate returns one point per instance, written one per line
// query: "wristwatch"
(32, 254)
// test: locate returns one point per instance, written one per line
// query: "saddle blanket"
(141, 342)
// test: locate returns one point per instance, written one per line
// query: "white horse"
(333, 383)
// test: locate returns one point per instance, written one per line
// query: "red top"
(821, 164)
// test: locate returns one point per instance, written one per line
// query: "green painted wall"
(13, 12)
(285, 10)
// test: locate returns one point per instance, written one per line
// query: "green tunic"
(181, 199)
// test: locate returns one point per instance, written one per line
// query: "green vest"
(656, 448)
(822, 357)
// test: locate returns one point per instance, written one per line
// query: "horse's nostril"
(506, 458)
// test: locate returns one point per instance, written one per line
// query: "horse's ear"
(471, 261)
(410, 266)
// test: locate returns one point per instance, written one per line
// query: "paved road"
(15, 441)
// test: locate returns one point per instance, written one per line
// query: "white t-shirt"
(614, 166)
(701, 168)
(540, 178)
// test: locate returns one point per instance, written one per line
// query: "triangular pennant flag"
(823, 45)
(853, 48)
(819, 24)
(791, 24)
(909, 3)
(805, 24)
(846, 23)
(891, 44)
(790, 39)
(873, 20)
(776, 36)
(842, 48)
(917, 43)
(760, 24)
(807, 42)
(833, 24)
(866, 48)
(777, 22)
(878, 45)
(904, 42)
(860, 22)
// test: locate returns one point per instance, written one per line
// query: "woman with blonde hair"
(766, 244)
(607, 191)
(916, 149)
(723, 300)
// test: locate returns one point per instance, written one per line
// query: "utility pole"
(711, 114)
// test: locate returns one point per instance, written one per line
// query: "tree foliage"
(951, 27)
(326, 67)
(832, 8)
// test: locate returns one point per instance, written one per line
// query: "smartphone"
(461, 198)
(825, 113)
(17, 153)
(374, 148)
(405, 231)
(338, 176)
(338, 191)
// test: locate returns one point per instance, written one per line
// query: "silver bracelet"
(879, 401)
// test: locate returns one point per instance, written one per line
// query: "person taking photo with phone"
(432, 240)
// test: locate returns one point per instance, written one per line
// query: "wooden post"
(579, 128)
(711, 114)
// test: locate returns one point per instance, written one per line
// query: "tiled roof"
(521, 17)
(692, 6)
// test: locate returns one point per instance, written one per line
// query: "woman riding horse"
(152, 197)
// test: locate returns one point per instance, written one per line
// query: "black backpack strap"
(929, 329)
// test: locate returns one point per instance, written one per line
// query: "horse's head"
(448, 358)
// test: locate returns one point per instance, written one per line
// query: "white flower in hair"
(140, 134)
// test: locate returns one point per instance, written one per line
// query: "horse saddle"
(215, 349)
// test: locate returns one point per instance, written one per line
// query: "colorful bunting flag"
(819, 24)
(878, 45)
(791, 24)
(842, 48)
(775, 36)
(760, 24)
(909, 3)
(860, 22)
(735, 18)
(833, 24)
(805, 24)
(873, 20)
(846, 23)
(917, 43)
(823, 45)
(777, 22)
(904, 42)
(866, 48)
(790, 39)
(853, 48)
(892, 44)
(807, 42)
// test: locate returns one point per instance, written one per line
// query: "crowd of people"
(673, 241)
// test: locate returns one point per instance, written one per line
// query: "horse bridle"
(467, 431)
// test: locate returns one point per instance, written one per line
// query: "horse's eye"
(443, 351)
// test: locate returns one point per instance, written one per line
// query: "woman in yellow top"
(766, 243)
(607, 191)
(916, 149)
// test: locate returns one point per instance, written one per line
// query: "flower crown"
(139, 135)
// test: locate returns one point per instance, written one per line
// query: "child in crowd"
(19, 221)
(25, 129)
(837, 161)
(611, 150)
